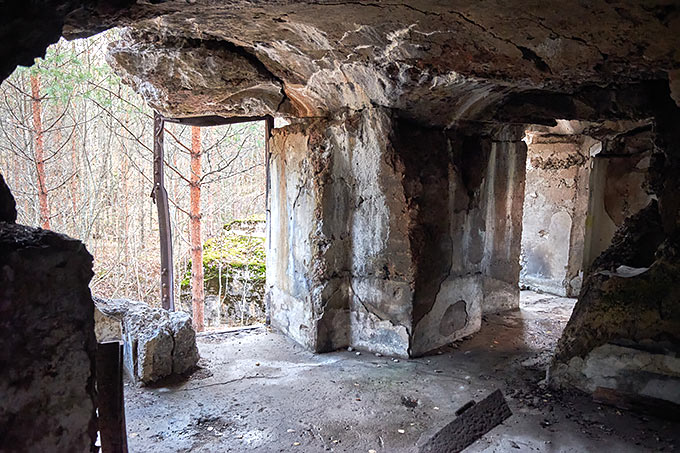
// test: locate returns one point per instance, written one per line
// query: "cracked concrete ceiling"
(441, 60)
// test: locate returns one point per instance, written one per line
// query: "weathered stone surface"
(428, 45)
(620, 304)
(184, 354)
(194, 77)
(630, 298)
(158, 343)
(430, 60)
(8, 208)
(631, 291)
(646, 369)
(47, 388)
(106, 327)
(234, 264)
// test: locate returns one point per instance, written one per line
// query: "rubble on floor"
(473, 421)
(158, 343)
(258, 391)
(625, 329)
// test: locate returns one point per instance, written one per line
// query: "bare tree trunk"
(197, 293)
(39, 152)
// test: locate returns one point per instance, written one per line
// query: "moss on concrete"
(231, 251)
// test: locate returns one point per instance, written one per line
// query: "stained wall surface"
(388, 236)
(555, 207)
(619, 189)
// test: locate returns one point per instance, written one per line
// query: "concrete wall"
(619, 190)
(624, 333)
(555, 206)
(338, 268)
(47, 397)
(293, 224)
(470, 227)
(503, 195)
(388, 236)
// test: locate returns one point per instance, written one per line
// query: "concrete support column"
(390, 236)
(555, 204)
(502, 197)
(338, 262)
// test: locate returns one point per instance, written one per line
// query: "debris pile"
(158, 343)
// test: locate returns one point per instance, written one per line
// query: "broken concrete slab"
(185, 354)
(473, 421)
(158, 343)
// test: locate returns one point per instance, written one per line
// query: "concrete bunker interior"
(396, 206)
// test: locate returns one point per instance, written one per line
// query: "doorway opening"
(221, 243)
(555, 210)
(77, 149)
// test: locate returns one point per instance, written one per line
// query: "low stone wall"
(234, 274)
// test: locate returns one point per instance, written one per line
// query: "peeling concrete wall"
(390, 236)
(338, 268)
(47, 396)
(379, 258)
(555, 207)
(618, 189)
(468, 196)
(293, 222)
(504, 189)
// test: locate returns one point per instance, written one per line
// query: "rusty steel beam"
(214, 120)
(160, 196)
(268, 127)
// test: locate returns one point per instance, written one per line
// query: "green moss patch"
(231, 251)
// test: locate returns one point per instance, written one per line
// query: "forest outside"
(76, 148)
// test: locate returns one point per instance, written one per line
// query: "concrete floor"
(258, 391)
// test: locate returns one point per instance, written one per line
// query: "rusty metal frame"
(160, 195)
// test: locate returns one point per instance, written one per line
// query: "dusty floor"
(258, 391)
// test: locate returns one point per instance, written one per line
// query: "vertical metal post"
(160, 196)
(110, 401)
(268, 127)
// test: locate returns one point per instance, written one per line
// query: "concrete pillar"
(503, 196)
(338, 262)
(387, 235)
